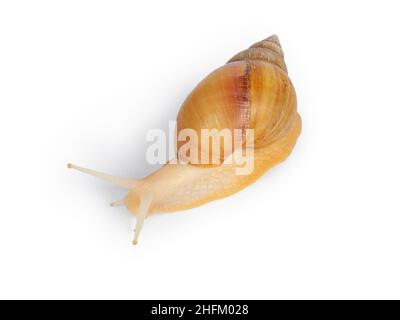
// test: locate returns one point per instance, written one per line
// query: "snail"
(250, 93)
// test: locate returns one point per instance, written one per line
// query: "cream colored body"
(181, 187)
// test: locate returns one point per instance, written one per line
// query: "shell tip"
(274, 38)
(134, 242)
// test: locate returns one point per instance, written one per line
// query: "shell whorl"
(268, 50)
(251, 91)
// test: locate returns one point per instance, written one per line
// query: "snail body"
(252, 91)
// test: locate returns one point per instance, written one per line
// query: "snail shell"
(251, 91)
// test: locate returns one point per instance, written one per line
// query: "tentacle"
(145, 202)
(118, 203)
(119, 181)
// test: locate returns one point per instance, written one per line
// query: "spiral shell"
(268, 50)
(251, 91)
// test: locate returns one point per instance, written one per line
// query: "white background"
(83, 81)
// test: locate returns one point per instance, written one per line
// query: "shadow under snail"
(251, 91)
